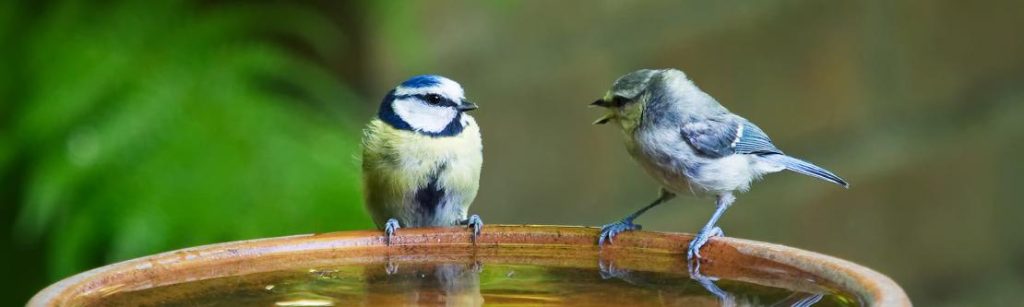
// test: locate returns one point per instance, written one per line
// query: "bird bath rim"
(495, 244)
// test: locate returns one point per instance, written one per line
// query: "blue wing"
(728, 135)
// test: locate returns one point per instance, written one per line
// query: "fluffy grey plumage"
(689, 142)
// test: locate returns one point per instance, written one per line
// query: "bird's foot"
(609, 231)
(693, 253)
(476, 223)
(389, 230)
(693, 267)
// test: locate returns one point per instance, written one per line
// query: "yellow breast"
(398, 162)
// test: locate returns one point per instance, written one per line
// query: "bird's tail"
(806, 168)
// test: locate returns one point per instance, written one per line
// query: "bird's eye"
(434, 99)
(618, 101)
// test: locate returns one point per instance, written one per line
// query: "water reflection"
(448, 284)
(797, 299)
(609, 271)
(305, 302)
(708, 282)
(456, 281)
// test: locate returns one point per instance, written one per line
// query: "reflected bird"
(432, 284)
(727, 299)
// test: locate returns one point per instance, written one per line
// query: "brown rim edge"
(875, 287)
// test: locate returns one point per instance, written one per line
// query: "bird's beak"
(601, 103)
(467, 106)
(607, 117)
(604, 119)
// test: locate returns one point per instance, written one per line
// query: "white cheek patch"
(424, 117)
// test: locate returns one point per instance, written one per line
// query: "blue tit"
(422, 157)
(687, 141)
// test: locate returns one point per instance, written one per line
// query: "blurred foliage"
(146, 126)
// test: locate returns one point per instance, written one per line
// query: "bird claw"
(693, 252)
(476, 223)
(389, 230)
(609, 231)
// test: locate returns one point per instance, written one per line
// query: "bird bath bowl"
(508, 265)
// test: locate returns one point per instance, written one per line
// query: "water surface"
(472, 284)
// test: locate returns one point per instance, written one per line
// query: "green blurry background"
(134, 127)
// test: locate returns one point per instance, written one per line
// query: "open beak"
(467, 106)
(607, 117)
(604, 119)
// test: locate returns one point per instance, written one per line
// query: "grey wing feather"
(711, 137)
(735, 135)
(725, 136)
(753, 140)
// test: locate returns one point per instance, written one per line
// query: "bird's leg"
(389, 230)
(609, 231)
(709, 230)
(476, 223)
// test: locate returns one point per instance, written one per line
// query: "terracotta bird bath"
(507, 265)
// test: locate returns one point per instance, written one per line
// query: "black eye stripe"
(428, 98)
(619, 100)
(434, 99)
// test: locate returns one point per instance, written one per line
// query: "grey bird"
(688, 141)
